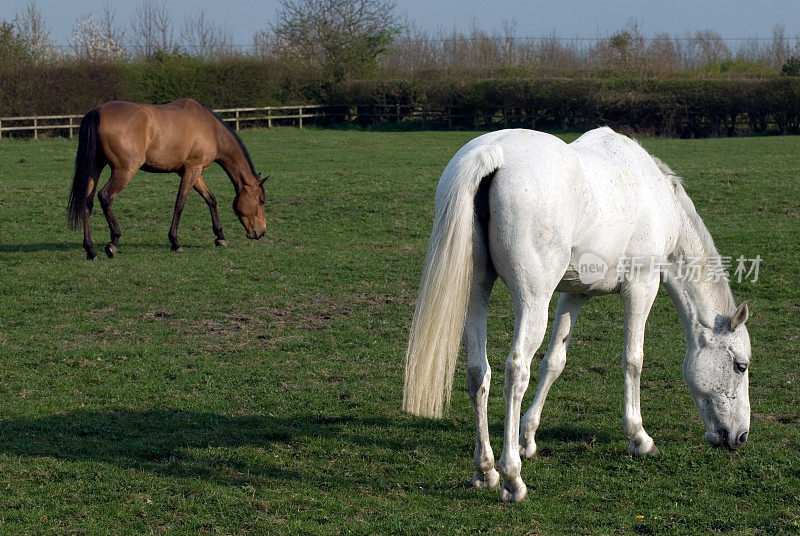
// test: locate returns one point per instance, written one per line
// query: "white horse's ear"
(740, 316)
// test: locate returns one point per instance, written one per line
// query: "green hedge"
(674, 107)
(65, 89)
(236, 82)
(77, 88)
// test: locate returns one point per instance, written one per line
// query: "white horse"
(546, 216)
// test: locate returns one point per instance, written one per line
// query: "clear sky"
(563, 18)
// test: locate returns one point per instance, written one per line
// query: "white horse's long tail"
(445, 286)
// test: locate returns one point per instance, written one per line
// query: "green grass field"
(255, 389)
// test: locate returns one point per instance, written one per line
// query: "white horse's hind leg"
(478, 371)
(569, 305)
(530, 325)
(637, 298)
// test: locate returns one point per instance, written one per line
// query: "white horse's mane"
(687, 205)
(707, 243)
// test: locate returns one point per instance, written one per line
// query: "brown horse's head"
(249, 207)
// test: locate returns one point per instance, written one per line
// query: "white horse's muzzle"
(724, 438)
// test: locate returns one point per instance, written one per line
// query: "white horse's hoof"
(527, 449)
(490, 480)
(646, 446)
(514, 491)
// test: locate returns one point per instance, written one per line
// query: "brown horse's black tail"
(85, 167)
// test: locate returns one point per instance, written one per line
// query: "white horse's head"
(716, 371)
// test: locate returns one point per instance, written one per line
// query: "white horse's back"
(602, 196)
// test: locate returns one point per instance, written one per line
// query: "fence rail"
(239, 117)
(428, 116)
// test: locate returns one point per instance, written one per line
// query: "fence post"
(35, 128)
(1, 129)
(269, 117)
(70, 127)
(300, 118)
(237, 119)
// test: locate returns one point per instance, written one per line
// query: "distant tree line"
(626, 52)
(341, 37)
(357, 38)
(359, 52)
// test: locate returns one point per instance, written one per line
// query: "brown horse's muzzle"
(253, 228)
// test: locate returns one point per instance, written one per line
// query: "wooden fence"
(268, 116)
(426, 116)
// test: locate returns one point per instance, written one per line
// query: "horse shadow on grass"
(189, 444)
(230, 449)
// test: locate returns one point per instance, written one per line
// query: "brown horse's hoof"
(92, 257)
(111, 250)
(221, 242)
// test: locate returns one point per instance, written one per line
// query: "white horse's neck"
(695, 278)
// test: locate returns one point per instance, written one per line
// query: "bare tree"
(152, 27)
(202, 36)
(553, 54)
(341, 36)
(264, 43)
(483, 51)
(662, 54)
(413, 50)
(778, 50)
(751, 50)
(108, 24)
(34, 33)
(706, 48)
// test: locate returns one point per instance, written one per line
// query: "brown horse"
(183, 137)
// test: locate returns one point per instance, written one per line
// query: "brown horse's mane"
(235, 137)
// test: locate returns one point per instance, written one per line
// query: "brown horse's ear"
(263, 180)
(740, 316)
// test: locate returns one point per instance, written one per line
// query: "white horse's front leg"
(569, 305)
(637, 298)
(479, 375)
(529, 329)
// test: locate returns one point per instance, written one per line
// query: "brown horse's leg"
(188, 178)
(87, 214)
(119, 179)
(202, 189)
